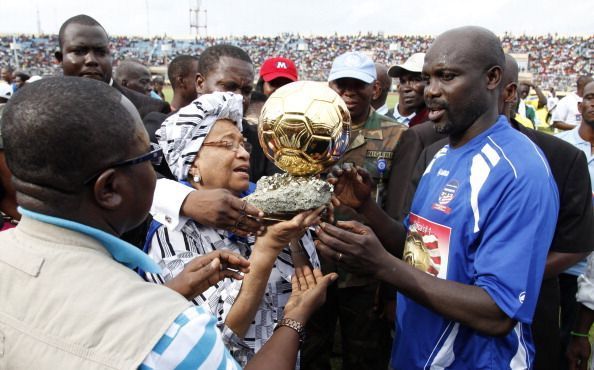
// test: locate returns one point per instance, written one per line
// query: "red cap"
(278, 67)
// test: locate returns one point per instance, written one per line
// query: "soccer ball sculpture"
(304, 128)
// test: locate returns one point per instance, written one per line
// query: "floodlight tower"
(198, 19)
(39, 32)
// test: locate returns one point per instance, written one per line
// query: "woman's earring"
(197, 178)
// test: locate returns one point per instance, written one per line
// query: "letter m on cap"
(281, 65)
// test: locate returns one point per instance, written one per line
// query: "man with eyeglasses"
(410, 109)
(69, 298)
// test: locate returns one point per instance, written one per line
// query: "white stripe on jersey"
(491, 154)
(520, 359)
(446, 356)
(479, 171)
(504, 156)
(440, 153)
(544, 161)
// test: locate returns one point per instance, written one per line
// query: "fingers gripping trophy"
(304, 128)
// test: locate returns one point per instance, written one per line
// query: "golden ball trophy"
(304, 128)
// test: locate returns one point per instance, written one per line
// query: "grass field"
(168, 92)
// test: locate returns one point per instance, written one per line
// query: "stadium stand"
(553, 61)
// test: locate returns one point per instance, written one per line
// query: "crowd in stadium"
(256, 220)
(554, 61)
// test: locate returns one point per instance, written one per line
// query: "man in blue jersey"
(472, 264)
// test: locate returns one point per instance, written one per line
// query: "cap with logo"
(353, 64)
(413, 64)
(278, 67)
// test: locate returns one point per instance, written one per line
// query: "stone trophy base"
(282, 196)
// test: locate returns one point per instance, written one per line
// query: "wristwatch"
(295, 325)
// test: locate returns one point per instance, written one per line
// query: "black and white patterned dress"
(172, 250)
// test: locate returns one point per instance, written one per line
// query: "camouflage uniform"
(366, 340)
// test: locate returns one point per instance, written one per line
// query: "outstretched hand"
(352, 185)
(221, 209)
(351, 244)
(281, 233)
(205, 271)
(308, 293)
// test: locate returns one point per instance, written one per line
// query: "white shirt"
(383, 110)
(552, 102)
(567, 110)
(573, 137)
(402, 119)
(585, 294)
(167, 203)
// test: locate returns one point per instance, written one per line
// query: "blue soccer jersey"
(483, 214)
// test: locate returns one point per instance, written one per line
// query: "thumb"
(325, 281)
(352, 226)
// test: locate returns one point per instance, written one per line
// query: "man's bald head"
(382, 86)
(382, 76)
(134, 75)
(509, 95)
(77, 125)
(476, 46)
(582, 81)
(510, 72)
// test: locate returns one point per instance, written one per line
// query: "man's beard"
(444, 128)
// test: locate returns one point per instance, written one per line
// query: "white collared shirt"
(405, 120)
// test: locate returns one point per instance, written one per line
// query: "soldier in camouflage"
(365, 335)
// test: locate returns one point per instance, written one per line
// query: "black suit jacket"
(152, 122)
(260, 165)
(143, 103)
(407, 152)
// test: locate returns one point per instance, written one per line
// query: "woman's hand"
(280, 234)
(308, 293)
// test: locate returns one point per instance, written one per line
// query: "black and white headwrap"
(181, 136)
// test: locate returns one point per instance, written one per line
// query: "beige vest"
(66, 304)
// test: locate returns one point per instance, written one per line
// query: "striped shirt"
(173, 249)
(191, 342)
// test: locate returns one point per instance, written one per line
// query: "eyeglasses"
(230, 145)
(155, 156)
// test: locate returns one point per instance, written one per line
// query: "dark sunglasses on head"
(155, 156)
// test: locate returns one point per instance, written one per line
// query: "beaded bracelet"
(575, 334)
